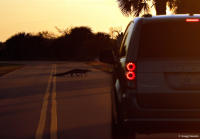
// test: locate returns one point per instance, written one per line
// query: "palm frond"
(172, 4)
(142, 6)
(133, 7)
(126, 6)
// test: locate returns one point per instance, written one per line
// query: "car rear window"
(170, 39)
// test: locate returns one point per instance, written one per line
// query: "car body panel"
(167, 91)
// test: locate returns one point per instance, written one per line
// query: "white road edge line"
(53, 128)
(42, 121)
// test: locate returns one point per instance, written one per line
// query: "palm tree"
(129, 7)
(161, 6)
(188, 6)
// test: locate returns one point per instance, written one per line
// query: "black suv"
(156, 81)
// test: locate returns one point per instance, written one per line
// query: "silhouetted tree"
(62, 48)
(76, 38)
(88, 50)
(46, 34)
(188, 6)
(103, 41)
(63, 32)
(26, 46)
(15, 45)
(115, 31)
(118, 41)
(161, 6)
(80, 43)
(135, 7)
(1, 48)
(80, 33)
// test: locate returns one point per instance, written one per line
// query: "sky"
(43, 15)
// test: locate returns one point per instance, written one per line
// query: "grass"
(7, 68)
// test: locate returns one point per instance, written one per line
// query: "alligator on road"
(77, 72)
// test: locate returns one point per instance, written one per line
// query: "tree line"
(79, 43)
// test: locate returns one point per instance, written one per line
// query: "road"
(35, 104)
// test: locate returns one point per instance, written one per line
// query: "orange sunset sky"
(43, 15)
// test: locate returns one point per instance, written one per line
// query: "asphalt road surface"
(36, 104)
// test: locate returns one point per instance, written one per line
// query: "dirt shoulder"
(7, 68)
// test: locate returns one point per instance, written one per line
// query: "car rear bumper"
(133, 110)
(163, 125)
(158, 120)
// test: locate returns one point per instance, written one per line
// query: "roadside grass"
(7, 68)
(101, 66)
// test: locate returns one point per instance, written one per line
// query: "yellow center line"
(42, 121)
(53, 128)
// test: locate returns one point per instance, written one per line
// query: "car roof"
(167, 17)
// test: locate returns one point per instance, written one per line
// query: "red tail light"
(131, 67)
(130, 75)
(192, 20)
